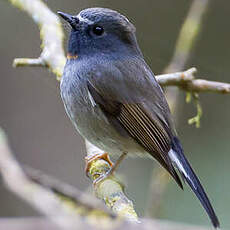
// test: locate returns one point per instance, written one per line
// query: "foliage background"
(42, 136)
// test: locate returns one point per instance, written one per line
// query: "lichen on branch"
(51, 34)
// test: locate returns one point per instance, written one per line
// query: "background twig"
(38, 197)
(42, 224)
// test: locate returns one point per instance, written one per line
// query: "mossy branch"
(51, 34)
(110, 190)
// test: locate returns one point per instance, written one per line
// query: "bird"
(113, 99)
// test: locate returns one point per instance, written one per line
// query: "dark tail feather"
(177, 156)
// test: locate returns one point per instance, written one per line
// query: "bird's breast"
(87, 116)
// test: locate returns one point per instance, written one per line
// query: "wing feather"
(148, 132)
(150, 135)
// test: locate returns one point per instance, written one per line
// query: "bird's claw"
(90, 159)
(102, 177)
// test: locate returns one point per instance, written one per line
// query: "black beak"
(72, 20)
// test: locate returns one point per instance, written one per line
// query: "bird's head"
(100, 30)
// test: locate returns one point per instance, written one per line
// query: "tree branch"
(110, 189)
(82, 204)
(61, 203)
(51, 33)
(186, 81)
(43, 224)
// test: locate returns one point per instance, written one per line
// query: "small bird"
(114, 100)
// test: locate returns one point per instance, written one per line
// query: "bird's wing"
(134, 103)
(131, 99)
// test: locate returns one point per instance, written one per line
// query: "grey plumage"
(113, 99)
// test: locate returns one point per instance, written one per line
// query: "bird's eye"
(98, 30)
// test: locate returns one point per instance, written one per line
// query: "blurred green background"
(41, 135)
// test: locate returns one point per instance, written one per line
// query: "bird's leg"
(90, 159)
(117, 163)
(111, 170)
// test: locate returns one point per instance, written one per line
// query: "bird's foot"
(103, 171)
(90, 159)
(102, 177)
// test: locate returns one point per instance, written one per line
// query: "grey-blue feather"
(113, 99)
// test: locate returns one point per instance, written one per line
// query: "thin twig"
(83, 204)
(51, 35)
(186, 81)
(188, 35)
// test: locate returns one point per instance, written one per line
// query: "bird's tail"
(177, 156)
